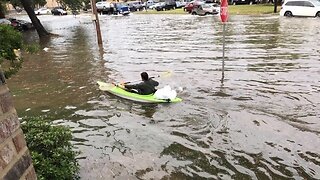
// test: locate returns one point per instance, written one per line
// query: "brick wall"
(15, 159)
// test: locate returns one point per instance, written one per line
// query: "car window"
(308, 4)
(295, 3)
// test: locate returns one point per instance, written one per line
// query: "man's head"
(144, 76)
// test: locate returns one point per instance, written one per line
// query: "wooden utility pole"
(95, 18)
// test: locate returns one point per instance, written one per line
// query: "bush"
(10, 40)
(51, 151)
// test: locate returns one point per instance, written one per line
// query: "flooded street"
(263, 122)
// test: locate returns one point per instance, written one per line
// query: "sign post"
(224, 19)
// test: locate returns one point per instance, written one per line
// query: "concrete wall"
(15, 159)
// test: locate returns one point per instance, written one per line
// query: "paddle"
(164, 74)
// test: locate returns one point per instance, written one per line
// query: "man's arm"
(132, 86)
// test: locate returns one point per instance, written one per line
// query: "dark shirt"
(145, 87)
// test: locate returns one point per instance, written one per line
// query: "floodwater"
(262, 122)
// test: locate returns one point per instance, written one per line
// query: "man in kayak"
(147, 86)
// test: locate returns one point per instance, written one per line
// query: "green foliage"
(52, 153)
(15, 3)
(10, 40)
(10, 45)
(2, 9)
(31, 48)
(72, 4)
(34, 3)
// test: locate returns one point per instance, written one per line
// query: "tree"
(73, 4)
(27, 5)
(35, 3)
(2, 10)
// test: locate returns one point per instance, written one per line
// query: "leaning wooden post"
(224, 19)
(95, 18)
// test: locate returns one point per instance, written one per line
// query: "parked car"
(135, 5)
(103, 5)
(193, 4)
(5, 21)
(205, 9)
(180, 4)
(41, 11)
(86, 7)
(148, 4)
(121, 8)
(169, 4)
(235, 2)
(300, 8)
(58, 11)
(21, 25)
(154, 6)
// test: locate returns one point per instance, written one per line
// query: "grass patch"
(233, 10)
(251, 9)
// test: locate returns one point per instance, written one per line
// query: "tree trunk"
(275, 6)
(42, 32)
(2, 14)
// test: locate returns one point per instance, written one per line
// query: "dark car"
(21, 25)
(59, 11)
(121, 8)
(167, 5)
(86, 7)
(135, 6)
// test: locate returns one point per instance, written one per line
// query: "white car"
(300, 8)
(42, 11)
(5, 21)
(155, 5)
(103, 5)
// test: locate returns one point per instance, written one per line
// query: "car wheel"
(288, 14)
(318, 14)
(194, 13)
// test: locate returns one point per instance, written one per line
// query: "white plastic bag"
(165, 93)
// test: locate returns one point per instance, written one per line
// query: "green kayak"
(115, 90)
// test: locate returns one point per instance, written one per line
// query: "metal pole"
(223, 47)
(96, 20)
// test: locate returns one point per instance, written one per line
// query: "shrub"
(10, 40)
(51, 151)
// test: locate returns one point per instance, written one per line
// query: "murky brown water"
(262, 123)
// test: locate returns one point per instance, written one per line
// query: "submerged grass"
(233, 10)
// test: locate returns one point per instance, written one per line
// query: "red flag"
(224, 11)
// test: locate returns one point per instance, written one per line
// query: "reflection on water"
(262, 123)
